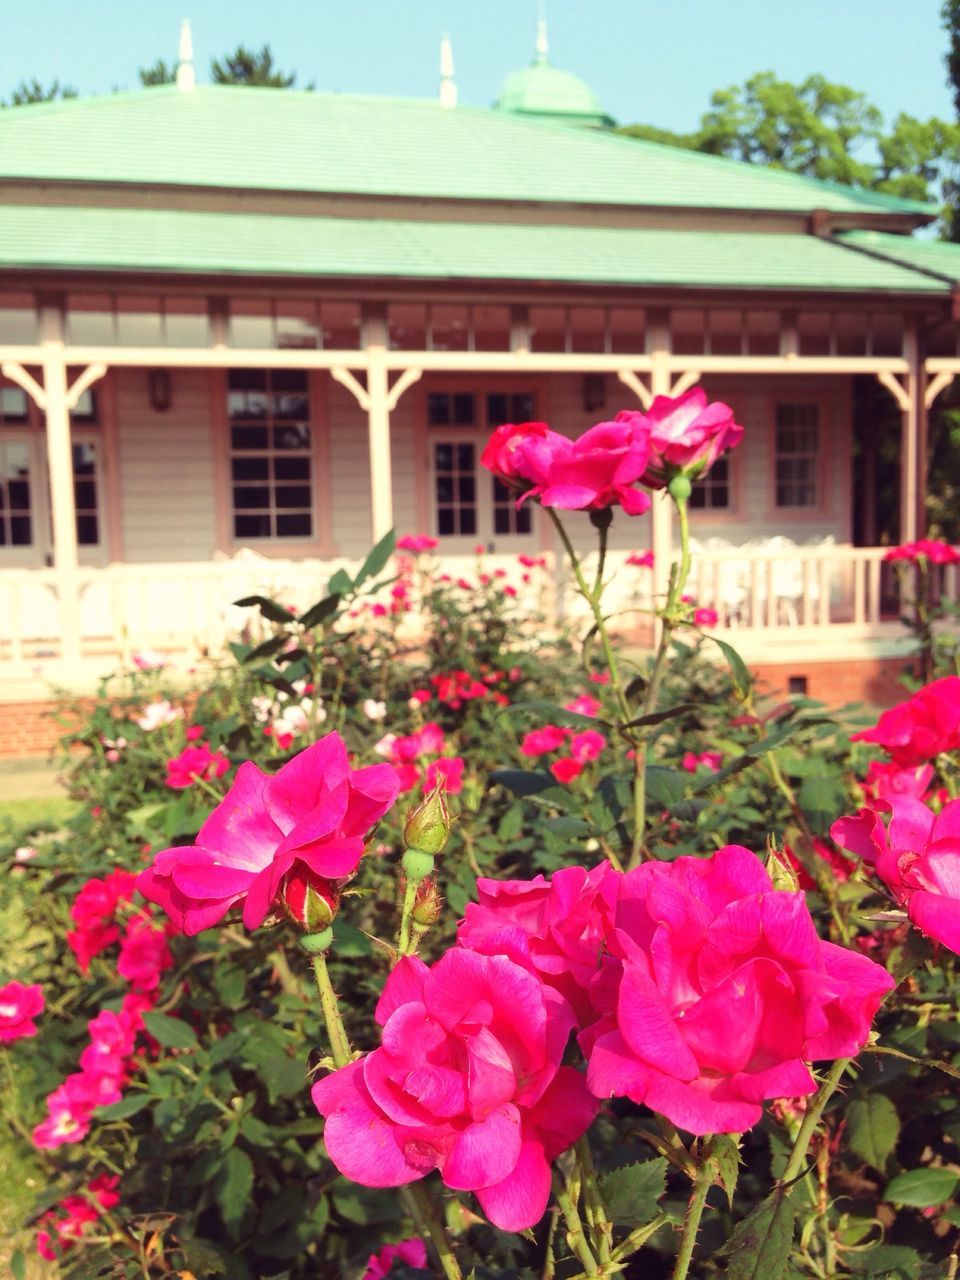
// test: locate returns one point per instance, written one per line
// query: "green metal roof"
(548, 93)
(221, 136)
(936, 256)
(110, 239)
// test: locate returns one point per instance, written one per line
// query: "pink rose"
(705, 617)
(467, 1081)
(417, 543)
(538, 742)
(413, 1252)
(936, 552)
(144, 954)
(917, 857)
(597, 470)
(915, 731)
(316, 811)
(726, 994)
(887, 781)
(449, 770)
(194, 764)
(566, 769)
(587, 746)
(78, 1211)
(585, 705)
(686, 435)
(641, 559)
(711, 760)
(503, 457)
(19, 1005)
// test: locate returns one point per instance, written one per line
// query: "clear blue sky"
(649, 60)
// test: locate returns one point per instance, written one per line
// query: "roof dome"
(547, 93)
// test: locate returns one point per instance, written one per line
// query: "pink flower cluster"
(195, 764)
(930, 550)
(582, 749)
(412, 1252)
(94, 912)
(410, 757)
(709, 760)
(417, 544)
(693, 987)
(19, 1005)
(315, 814)
(601, 468)
(916, 853)
(65, 1225)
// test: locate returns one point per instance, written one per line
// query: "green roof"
(936, 256)
(122, 240)
(548, 93)
(221, 136)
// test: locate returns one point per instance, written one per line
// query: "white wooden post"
(910, 398)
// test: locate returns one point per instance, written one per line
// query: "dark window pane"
(85, 492)
(294, 526)
(524, 520)
(468, 520)
(13, 404)
(464, 457)
(501, 520)
(463, 410)
(444, 457)
(444, 488)
(247, 380)
(293, 495)
(784, 496)
(249, 437)
(250, 468)
(719, 472)
(19, 495)
(249, 496)
(698, 497)
(721, 495)
(291, 437)
(88, 534)
(496, 410)
(467, 489)
(84, 460)
(438, 410)
(291, 468)
(521, 408)
(20, 531)
(291, 408)
(3, 534)
(245, 526)
(500, 491)
(444, 521)
(293, 380)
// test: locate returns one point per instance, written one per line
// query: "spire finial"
(186, 76)
(448, 88)
(542, 46)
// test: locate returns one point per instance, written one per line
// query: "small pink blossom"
(538, 742)
(641, 559)
(710, 760)
(449, 769)
(144, 954)
(929, 549)
(195, 764)
(157, 714)
(566, 769)
(887, 781)
(78, 1213)
(149, 660)
(705, 617)
(587, 746)
(413, 1252)
(417, 543)
(19, 1005)
(686, 435)
(585, 705)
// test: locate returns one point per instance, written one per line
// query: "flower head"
(915, 731)
(19, 1005)
(686, 435)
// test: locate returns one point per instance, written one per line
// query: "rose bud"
(428, 827)
(309, 900)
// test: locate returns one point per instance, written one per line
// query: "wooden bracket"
(896, 389)
(406, 379)
(685, 382)
(346, 379)
(16, 373)
(639, 389)
(939, 382)
(93, 373)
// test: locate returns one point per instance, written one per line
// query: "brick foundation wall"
(874, 681)
(28, 730)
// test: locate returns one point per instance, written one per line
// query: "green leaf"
(172, 1033)
(522, 782)
(511, 824)
(725, 1150)
(873, 1127)
(922, 1188)
(126, 1107)
(759, 1246)
(233, 1186)
(887, 1262)
(630, 1194)
(377, 559)
(666, 787)
(340, 584)
(320, 611)
(203, 1258)
(267, 649)
(738, 668)
(550, 711)
(18, 1265)
(566, 827)
(283, 1076)
(257, 1133)
(670, 713)
(272, 610)
(349, 940)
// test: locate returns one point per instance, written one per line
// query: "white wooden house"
(244, 331)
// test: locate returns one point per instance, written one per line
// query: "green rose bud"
(680, 487)
(428, 827)
(417, 865)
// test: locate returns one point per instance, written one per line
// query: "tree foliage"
(161, 72)
(33, 91)
(251, 67)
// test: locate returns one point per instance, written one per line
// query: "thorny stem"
(575, 1235)
(336, 1031)
(550, 1260)
(669, 618)
(811, 1119)
(422, 1213)
(405, 940)
(601, 1228)
(691, 1223)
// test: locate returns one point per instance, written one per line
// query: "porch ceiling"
(187, 242)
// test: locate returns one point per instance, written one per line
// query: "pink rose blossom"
(686, 435)
(413, 1252)
(149, 660)
(641, 559)
(915, 731)
(157, 714)
(144, 954)
(467, 1081)
(587, 746)
(538, 742)
(705, 617)
(19, 1005)
(726, 994)
(79, 1212)
(194, 764)
(566, 769)
(931, 549)
(585, 705)
(711, 760)
(917, 857)
(417, 543)
(316, 810)
(887, 781)
(502, 454)
(449, 769)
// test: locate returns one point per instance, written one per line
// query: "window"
(798, 452)
(13, 405)
(712, 491)
(16, 512)
(85, 493)
(270, 453)
(468, 501)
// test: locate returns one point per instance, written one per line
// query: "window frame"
(799, 511)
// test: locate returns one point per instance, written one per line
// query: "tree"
(161, 72)
(33, 91)
(246, 66)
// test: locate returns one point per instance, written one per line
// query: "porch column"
(910, 397)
